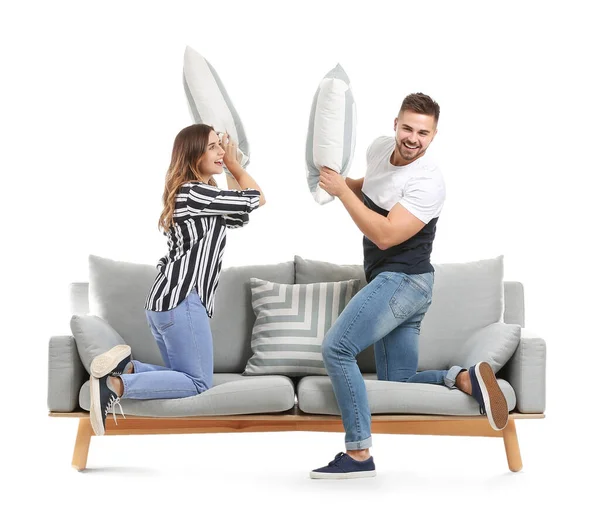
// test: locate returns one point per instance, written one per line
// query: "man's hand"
(332, 182)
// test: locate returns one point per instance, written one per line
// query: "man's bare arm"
(384, 232)
(356, 185)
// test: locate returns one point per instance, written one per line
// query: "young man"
(402, 194)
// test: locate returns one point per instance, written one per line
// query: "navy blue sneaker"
(489, 396)
(102, 400)
(113, 362)
(345, 467)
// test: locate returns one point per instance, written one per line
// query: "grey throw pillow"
(495, 344)
(291, 322)
(93, 337)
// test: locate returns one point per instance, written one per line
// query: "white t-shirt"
(418, 186)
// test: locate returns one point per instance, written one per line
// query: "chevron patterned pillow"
(291, 322)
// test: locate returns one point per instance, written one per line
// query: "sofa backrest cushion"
(118, 291)
(466, 297)
(234, 318)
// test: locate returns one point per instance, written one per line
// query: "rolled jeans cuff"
(125, 388)
(360, 444)
(450, 377)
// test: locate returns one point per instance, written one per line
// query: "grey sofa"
(475, 315)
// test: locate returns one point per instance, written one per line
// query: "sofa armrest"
(526, 373)
(66, 374)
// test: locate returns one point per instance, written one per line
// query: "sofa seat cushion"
(315, 396)
(231, 394)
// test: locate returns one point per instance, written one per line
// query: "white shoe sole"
(103, 364)
(344, 475)
(496, 407)
(95, 411)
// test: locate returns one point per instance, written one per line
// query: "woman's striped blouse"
(196, 243)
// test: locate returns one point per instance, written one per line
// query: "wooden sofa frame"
(296, 420)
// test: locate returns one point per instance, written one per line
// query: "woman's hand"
(230, 148)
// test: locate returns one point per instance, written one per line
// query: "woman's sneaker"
(113, 362)
(102, 400)
(489, 396)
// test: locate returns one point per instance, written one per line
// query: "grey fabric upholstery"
(234, 318)
(65, 374)
(314, 271)
(494, 344)
(232, 328)
(315, 395)
(118, 292)
(231, 394)
(93, 336)
(526, 371)
(466, 297)
(514, 303)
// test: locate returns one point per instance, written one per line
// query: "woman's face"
(211, 161)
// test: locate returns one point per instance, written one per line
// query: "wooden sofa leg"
(82, 444)
(511, 445)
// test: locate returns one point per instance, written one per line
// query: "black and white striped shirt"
(196, 243)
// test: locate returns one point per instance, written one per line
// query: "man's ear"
(395, 123)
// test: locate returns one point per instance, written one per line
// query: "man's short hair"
(421, 104)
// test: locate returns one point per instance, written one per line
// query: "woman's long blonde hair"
(190, 144)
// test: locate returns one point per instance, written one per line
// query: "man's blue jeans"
(185, 342)
(387, 313)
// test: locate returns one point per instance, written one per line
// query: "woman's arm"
(232, 183)
(241, 176)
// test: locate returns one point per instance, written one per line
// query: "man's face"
(414, 133)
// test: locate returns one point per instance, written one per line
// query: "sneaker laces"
(114, 401)
(337, 458)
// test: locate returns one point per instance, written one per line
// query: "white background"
(92, 98)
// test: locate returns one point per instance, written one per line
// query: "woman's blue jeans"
(185, 342)
(387, 313)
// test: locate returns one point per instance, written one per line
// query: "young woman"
(195, 217)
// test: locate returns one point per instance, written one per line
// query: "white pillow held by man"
(331, 131)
